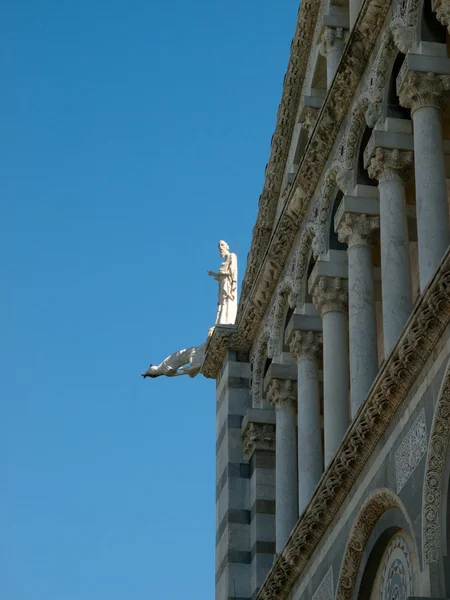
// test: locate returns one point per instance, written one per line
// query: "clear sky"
(134, 136)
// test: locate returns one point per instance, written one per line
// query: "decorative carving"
(357, 230)
(390, 164)
(321, 212)
(309, 118)
(285, 297)
(329, 36)
(329, 294)
(431, 317)
(282, 392)
(258, 436)
(184, 362)
(227, 278)
(306, 344)
(258, 366)
(439, 443)
(373, 508)
(416, 89)
(410, 451)
(301, 264)
(404, 35)
(442, 10)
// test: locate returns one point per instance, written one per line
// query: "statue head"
(224, 248)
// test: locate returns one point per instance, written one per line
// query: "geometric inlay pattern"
(411, 450)
(325, 589)
(397, 575)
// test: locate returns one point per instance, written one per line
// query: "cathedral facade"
(333, 385)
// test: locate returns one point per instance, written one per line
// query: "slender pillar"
(391, 168)
(282, 394)
(305, 346)
(425, 94)
(357, 231)
(330, 299)
(331, 47)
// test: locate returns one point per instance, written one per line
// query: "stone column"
(330, 299)
(282, 394)
(424, 94)
(357, 231)
(305, 346)
(391, 167)
(331, 47)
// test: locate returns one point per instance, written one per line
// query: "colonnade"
(343, 331)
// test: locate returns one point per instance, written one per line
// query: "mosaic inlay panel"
(397, 574)
(325, 589)
(411, 450)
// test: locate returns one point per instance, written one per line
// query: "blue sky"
(134, 137)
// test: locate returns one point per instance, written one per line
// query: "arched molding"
(321, 211)
(258, 365)
(435, 469)
(285, 297)
(301, 264)
(349, 149)
(378, 84)
(405, 25)
(378, 502)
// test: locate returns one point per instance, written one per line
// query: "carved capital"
(329, 37)
(330, 295)
(404, 35)
(417, 89)
(357, 230)
(306, 344)
(309, 118)
(442, 10)
(390, 164)
(258, 436)
(282, 392)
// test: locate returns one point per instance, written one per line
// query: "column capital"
(306, 344)
(309, 117)
(330, 295)
(357, 229)
(282, 392)
(418, 89)
(328, 39)
(389, 164)
(258, 436)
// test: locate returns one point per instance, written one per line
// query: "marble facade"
(333, 385)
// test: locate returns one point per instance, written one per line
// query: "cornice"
(271, 244)
(424, 328)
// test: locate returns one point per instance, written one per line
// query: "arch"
(434, 480)
(321, 211)
(259, 357)
(377, 89)
(301, 264)
(377, 503)
(285, 298)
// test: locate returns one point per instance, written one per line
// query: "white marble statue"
(184, 362)
(190, 360)
(227, 278)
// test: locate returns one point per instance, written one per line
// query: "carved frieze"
(258, 436)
